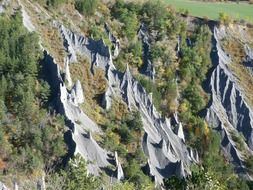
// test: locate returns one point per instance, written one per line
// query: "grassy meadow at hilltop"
(212, 10)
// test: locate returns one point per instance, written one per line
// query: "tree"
(135, 175)
(192, 94)
(32, 138)
(125, 134)
(135, 122)
(125, 186)
(224, 19)
(76, 176)
(86, 7)
(174, 183)
(131, 22)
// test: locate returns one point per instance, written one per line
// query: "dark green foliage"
(135, 122)
(192, 94)
(30, 138)
(157, 52)
(119, 134)
(134, 174)
(136, 49)
(198, 180)
(193, 65)
(54, 3)
(156, 13)
(174, 183)
(86, 7)
(76, 176)
(151, 87)
(139, 156)
(195, 60)
(125, 134)
(97, 33)
(157, 16)
(249, 164)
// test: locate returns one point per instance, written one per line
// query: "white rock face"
(229, 111)
(248, 61)
(67, 72)
(79, 123)
(119, 170)
(249, 52)
(180, 132)
(26, 19)
(3, 5)
(166, 151)
(149, 68)
(115, 41)
(41, 185)
(3, 187)
(67, 103)
(77, 93)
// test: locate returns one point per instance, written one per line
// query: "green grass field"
(212, 10)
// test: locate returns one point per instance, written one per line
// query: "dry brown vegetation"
(234, 48)
(50, 37)
(233, 44)
(244, 79)
(93, 87)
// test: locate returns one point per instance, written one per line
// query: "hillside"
(123, 95)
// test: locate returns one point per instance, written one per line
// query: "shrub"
(86, 7)
(225, 19)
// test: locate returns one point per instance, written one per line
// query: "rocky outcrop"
(166, 151)
(77, 93)
(115, 41)
(248, 61)
(119, 170)
(41, 185)
(26, 19)
(3, 187)
(67, 72)
(148, 67)
(80, 124)
(3, 5)
(228, 111)
(178, 47)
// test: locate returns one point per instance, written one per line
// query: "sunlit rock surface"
(167, 153)
(228, 111)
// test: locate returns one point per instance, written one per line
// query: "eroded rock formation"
(229, 111)
(166, 151)
(148, 67)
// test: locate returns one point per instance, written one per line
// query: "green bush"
(77, 177)
(127, 14)
(136, 49)
(125, 134)
(86, 7)
(33, 139)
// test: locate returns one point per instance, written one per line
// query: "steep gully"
(166, 151)
(228, 111)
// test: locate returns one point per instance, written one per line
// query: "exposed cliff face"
(166, 150)
(248, 62)
(3, 187)
(114, 40)
(80, 124)
(229, 110)
(3, 5)
(148, 68)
